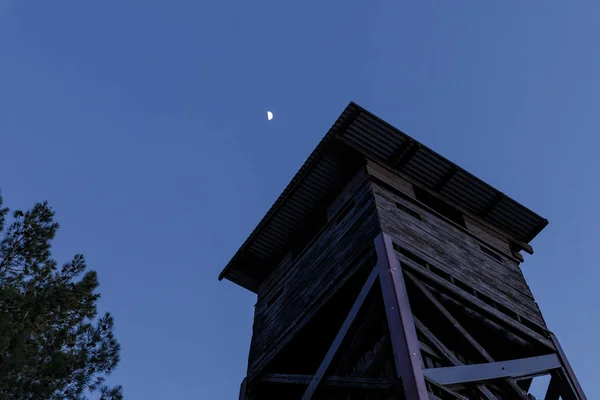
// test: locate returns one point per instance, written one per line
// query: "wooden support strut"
(448, 391)
(494, 370)
(337, 342)
(563, 382)
(482, 352)
(448, 355)
(479, 304)
(568, 373)
(405, 344)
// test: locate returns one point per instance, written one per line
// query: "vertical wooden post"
(407, 353)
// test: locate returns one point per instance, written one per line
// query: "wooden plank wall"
(457, 253)
(295, 286)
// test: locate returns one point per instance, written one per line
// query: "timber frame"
(385, 271)
(415, 347)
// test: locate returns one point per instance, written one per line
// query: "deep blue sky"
(143, 123)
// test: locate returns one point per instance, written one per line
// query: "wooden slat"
(448, 391)
(437, 343)
(463, 332)
(384, 174)
(479, 304)
(457, 253)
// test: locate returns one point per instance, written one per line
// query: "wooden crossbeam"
(337, 342)
(405, 344)
(377, 357)
(570, 388)
(448, 391)
(449, 355)
(495, 370)
(469, 312)
(330, 381)
(463, 332)
(478, 303)
(568, 371)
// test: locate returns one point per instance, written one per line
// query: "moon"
(269, 115)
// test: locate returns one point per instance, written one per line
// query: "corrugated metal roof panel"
(324, 169)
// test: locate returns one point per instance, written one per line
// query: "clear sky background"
(143, 123)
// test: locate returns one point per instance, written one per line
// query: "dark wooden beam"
(471, 313)
(374, 359)
(427, 349)
(398, 153)
(570, 375)
(482, 352)
(415, 184)
(448, 354)
(405, 154)
(446, 390)
(482, 306)
(496, 370)
(489, 207)
(525, 383)
(337, 342)
(330, 381)
(405, 344)
(453, 170)
(363, 326)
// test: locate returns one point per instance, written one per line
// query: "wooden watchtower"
(385, 271)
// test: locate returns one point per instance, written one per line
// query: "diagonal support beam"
(479, 304)
(337, 342)
(489, 371)
(449, 355)
(568, 371)
(405, 344)
(448, 391)
(482, 352)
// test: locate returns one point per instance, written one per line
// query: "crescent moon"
(269, 115)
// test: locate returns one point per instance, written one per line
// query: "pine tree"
(52, 343)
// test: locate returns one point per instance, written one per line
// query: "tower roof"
(331, 164)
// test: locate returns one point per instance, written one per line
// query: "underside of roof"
(331, 164)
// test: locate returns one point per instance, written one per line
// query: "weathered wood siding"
(483, 232)
(456, 252)
(295, 286)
